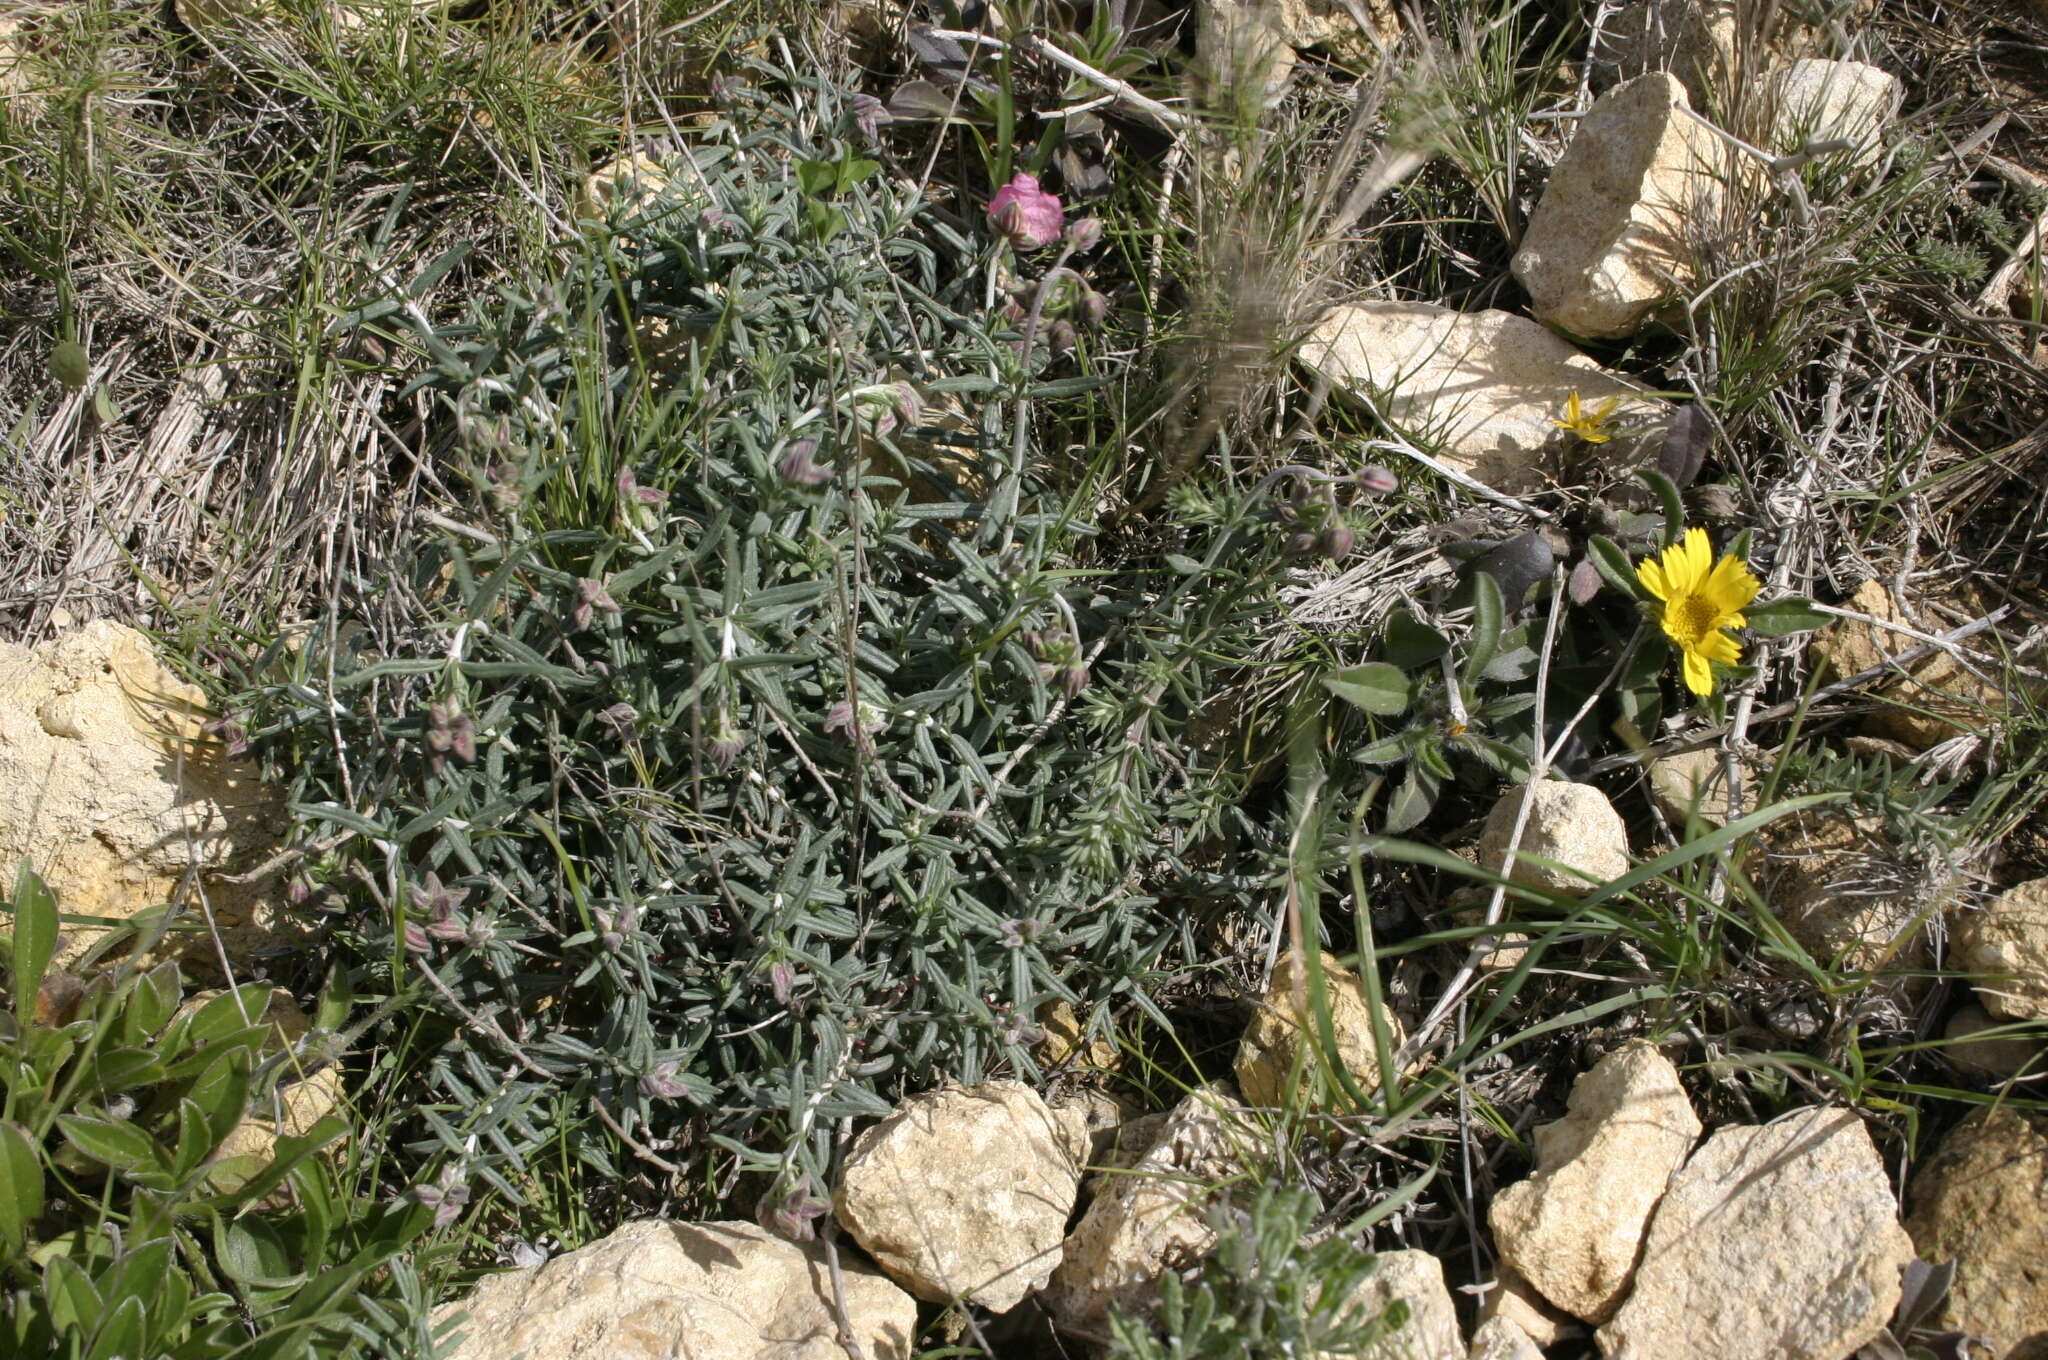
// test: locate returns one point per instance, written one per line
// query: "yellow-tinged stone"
(1271, 1062)
(109, 790)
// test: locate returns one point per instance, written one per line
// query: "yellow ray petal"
(1652, 577)
(1699, 677)
(1721, 647)
(1731, 585)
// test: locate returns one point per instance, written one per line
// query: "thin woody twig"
(1037, 46)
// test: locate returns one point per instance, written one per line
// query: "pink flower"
(1026, 214)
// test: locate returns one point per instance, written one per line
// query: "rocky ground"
(1824, 1142)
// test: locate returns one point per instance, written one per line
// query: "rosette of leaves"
(123, 1233)
(716, 788)
(1462, 704)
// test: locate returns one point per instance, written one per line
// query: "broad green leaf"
(35, 938)
(71, 1296)
(1667, 495)
(229, 1013)
(1792, 614)
(21, 1186)
(1413, 797)
(121, 1332)
(139, 1274)
(252, 1253)
(115, 1070)
(1615, 568)
(1411, 643)
(195, 1138)
(1487, 611)
(1375, 687)
(112, 1142)
(153, 1002)
(221, 1090)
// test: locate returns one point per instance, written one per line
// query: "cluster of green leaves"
(123, 1231)
(1264, 1293)
(775, 746)
(1464, 696)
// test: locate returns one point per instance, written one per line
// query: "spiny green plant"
(1265, 1292)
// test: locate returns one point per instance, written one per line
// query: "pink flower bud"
(1376, 479)
(1027, 215)
(1084, 234)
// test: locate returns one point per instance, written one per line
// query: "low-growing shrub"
(765, 744)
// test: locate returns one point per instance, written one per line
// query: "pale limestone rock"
(710, 1291)
(1271, 1050)
(1605, 249)
(1776, 1240)
(1327, 24)
(2000, 1056)
(1514, 1301)
(631, 186)
(1499, 1339)
(1982, 1201)
(1480, 390)
(1152, 1218)
(1416, 1278)
(2004, 947)
(110, 790)
(1571, 825)
(1573, 1228)
(1242, 53)
(1813, 100)
(18, 75)
(1696, 783)
(1940, 700)
(1700, 42)
(963, 1194)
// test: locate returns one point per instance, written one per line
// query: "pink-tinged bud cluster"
(799, 466)
(1028, 217)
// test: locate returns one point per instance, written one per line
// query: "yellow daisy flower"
(1590, 426)
(1700, 597)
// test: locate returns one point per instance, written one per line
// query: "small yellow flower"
(1700, 597)
(1590, 426)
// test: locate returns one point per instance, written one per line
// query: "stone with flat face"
(1777, 1240)
(1606, 248)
